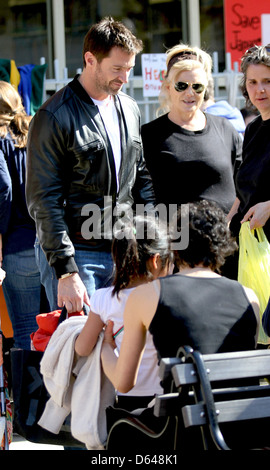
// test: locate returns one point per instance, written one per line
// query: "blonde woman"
(190, 154)
(21, 286)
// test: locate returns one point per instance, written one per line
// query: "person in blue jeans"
(21, 286)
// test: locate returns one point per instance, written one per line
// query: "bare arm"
(258, 215)
(87, 339)
(140, 309)
(234, 209)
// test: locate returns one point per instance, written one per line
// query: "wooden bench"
(213, 402)
(226, 396)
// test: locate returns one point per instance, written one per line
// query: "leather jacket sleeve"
(45, 190)
(143, 192)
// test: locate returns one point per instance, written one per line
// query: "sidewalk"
(19, 443)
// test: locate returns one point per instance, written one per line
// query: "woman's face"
(258, 88)
(187, 101)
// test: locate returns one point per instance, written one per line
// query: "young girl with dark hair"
(141, 253)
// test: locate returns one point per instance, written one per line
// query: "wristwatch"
(65, 275)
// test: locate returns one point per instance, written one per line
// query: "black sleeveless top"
(209, 314)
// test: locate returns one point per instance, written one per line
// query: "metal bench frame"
(210, 382)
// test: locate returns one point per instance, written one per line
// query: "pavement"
(19, 443)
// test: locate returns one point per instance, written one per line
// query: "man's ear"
(89, 58)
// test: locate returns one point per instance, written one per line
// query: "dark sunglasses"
(182, 86)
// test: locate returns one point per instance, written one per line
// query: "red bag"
(48, 323)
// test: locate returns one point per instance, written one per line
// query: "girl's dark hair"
(210, 240)
(134, 243)
(105, 35)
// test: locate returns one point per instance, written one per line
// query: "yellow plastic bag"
(254, 267)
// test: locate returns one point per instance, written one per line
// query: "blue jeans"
(95, 270)
(22, 292)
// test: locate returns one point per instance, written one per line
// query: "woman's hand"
(258, 215)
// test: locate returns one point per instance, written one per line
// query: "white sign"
(265, 29)
(153, 72)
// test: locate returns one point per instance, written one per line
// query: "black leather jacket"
(70, 165)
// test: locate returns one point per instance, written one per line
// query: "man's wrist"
(65, 265)
(64, 276)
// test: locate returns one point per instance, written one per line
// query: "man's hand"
(72, 293)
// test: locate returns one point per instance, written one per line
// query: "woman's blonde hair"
(175, 70)
(13, 118)
(183, 51)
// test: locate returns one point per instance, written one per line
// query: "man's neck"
(87, 84)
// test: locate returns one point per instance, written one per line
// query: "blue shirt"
(16, 225)
(223, 108)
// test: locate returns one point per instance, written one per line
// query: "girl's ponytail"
(133, 245)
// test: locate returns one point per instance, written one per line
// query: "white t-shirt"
(110, 307)
(110, 119)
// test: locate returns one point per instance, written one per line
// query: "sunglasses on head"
(182, 86)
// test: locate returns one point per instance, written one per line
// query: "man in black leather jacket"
(85, 162)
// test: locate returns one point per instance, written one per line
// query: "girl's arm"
(140, 309)
(87, 339)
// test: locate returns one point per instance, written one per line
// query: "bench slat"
(167, 404)
(229, 411)
(166, 365)
(224, 369)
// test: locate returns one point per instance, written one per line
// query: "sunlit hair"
(134, 244)
(256, 55)
(210, 240)
(13, 118)
(105, 35)
(199, 54)
(175, 71)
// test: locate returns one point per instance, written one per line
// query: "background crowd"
(84, 149)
